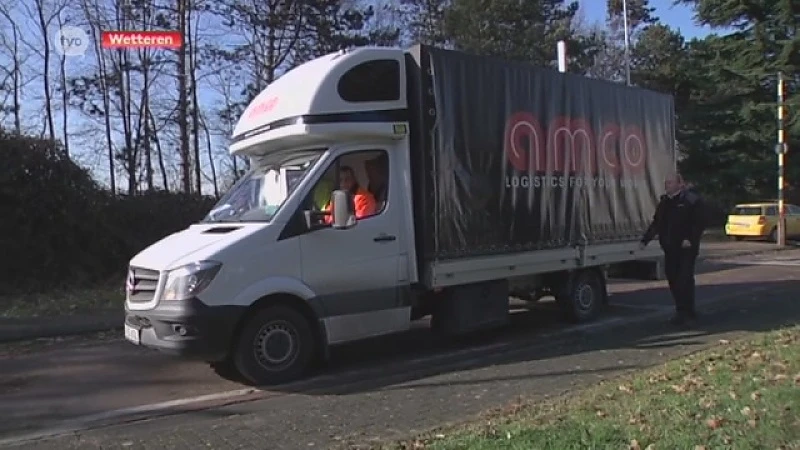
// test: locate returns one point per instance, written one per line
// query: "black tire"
(738, 238)
(773, 235)
(293, 355)
(583, 299)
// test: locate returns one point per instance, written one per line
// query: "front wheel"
(583, 297)
(275, 346)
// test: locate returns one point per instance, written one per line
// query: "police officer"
(678, 222)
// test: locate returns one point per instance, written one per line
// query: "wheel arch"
(288, 300)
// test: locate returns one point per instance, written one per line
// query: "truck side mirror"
(343, 215)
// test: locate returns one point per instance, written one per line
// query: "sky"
(678, 17)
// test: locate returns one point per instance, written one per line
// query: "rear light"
(762, 220)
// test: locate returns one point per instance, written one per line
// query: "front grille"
(141, 285)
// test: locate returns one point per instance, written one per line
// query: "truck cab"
(267, 280)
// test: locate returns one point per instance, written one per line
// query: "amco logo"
(71, 41)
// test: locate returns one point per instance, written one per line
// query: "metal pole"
(781, 150)
(627, 42)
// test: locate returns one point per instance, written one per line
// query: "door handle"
(384, 238)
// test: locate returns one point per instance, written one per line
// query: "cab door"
(355, 272)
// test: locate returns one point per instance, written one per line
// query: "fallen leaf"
(727, 439)
(418, 445)
(752, 423)
(699, 447)
(755, 396)
(733, 395)
(624, 388)
(714, 423)
(779, 377)
(650, 447)
(439, 436)
(723, 342)
(780, 366)
(634, 445)
(600, 413)
(678, 389)
(706, 403)
(797, 379)
(746, 411)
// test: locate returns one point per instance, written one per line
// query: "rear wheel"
(275, 346)
(583, 297)
(773, 235)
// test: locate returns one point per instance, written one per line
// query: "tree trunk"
(160, 153)
(103, 72)
(211, 159)
(183, 103)
(65, 102)
(48, 103)
(191, 42)
(148, 158)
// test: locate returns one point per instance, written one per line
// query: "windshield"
(260, 193)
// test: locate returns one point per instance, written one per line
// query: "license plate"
(132, 334)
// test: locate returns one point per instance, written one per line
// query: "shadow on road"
(385, 363)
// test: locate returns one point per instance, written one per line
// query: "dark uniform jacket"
(677, 219)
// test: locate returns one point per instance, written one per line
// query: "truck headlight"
(185, 282)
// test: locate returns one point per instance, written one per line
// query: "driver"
(364, 201)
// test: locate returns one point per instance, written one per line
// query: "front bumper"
(187, 328)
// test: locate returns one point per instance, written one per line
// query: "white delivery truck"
(456, 181)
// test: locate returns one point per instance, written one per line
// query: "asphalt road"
(384, 387)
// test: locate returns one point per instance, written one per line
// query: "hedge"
(60, 228)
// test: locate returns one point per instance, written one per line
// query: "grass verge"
(742, 395)
(60, 303)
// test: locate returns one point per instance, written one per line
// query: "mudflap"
(472, 307)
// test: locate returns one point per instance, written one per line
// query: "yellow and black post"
(780, 149)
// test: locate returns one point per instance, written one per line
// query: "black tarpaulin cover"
(519, 158)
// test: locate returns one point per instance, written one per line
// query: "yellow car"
(760, 221)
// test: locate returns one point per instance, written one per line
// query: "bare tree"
(211, 158)
(62, 71)
(159, 150)
(183, 101)
(45, 13)
(191, 45)
(14, 73)
(96, 20)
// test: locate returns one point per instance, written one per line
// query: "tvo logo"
(71, 41)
